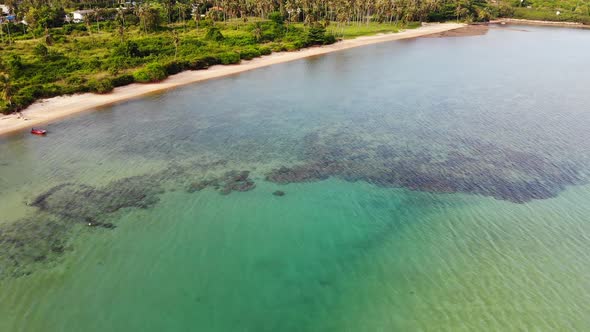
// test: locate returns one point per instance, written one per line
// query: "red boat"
(38, 131)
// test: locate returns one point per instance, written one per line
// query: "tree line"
(51, 13)
(118, 44)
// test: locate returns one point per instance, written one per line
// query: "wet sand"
(470, 30)
(55, 108)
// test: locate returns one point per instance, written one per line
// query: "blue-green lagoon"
(429, 184)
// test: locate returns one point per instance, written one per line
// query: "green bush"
(152, 72)
(229, 58)
(277, 47)
(549, 15)
(317, 35)
(40, 50)
(76, 80)
(69, 28)
(102, 85)
(291, 47)
(214, 34)
(5, 108)
(203, 62)
(249, 53)
(128, 48)
(264, 50)
(276, 17)
(15, 65)
(26, 96)
(175, 67)
(329, 39)
(122, 80)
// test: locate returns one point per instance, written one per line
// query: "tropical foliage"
(49, 56)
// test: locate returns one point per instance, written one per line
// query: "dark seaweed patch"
(84, 203)
(28, 243)
(477, 168)
(225, 184)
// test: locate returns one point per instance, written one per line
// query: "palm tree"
(6, 88)
(176, 41)
(143, 13)
(196, 14)
(120, 21)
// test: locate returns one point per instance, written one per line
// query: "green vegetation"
(82, 58)
(111, 47)
(551, 15)
(548, 10)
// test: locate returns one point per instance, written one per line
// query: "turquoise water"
(430, 184)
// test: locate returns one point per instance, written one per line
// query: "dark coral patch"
(82, 203)
(30, 241)
(473, 167)
(225, 184)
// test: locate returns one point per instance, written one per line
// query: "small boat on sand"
(38, 131)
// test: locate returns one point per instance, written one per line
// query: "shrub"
(276, 17)
(276, 47)
(214, 34)
(152, 72)
(229, 58)
(92, 63)
(121, 80)
(69, 28)
(40, 50)
(329, 39)
(50, 90)
(76, 80)
(316, 35)
(174, 67)
(203, 62)
(15, 64)
(128, 48)
(26, 96)
(5, 108)
(291, 47)
(264, 50)
(102, 85)
(249, 53)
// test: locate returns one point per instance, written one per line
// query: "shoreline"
(521, 21)
(52, 109)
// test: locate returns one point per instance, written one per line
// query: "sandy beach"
(55, 108)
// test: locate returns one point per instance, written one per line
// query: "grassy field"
(545, 14)
(357, 30)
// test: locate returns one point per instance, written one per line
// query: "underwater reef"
(29, 243)
(478, 168)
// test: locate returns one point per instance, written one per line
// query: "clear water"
(430, 184)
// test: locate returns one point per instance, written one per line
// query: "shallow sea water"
(430, 184)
